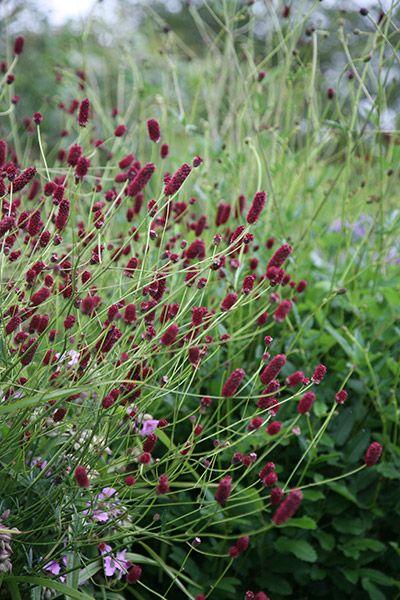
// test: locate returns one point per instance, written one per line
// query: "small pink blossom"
(148, 427)
(114, 564)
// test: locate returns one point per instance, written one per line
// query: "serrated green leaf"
(300, 548)
(302, 523)
(354, 547)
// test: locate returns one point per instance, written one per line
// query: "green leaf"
(18, 405)
(13, 588)
(354, 547)
(36, 593)
(388, 470)
(52, 584)
(89, 571)
(326, 540)
(229, 584)
(279, 585)
(343, 426)
(356, 446)
(313, 495)
(373, 592)
(302, 523)
(350, 526)
(300, 548)
(342, 490)
(351, 575)
(340, 340)
(378, 577)
(73, 569)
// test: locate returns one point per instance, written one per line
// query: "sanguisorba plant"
(145, 385)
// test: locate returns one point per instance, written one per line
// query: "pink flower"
(53, 567)
(114, 564)
(148, 427)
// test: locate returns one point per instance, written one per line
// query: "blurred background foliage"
(195, 29)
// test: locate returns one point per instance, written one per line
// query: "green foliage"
(331, 173)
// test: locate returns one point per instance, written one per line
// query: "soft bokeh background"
(54, 25)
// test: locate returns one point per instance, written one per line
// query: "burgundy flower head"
(164, 151)
(62, 214)
(141, 179)
(163, 485)
(305, 403)
(40, 296)
(74, 154)
(373, 454)
(229, 300)
(256, 207)
(274, 428)
(276, 495)
(37, 117)
(241, 546)
(224, 490)
(81, 476)
(22, 180)
(341, 397)
(273, 368)
(18, 45)
(288, 507)
(267, 468)
(169, 336)
(280, 256)
(120, 130)
(295, 379)
(282, 310)
(82, 167)
(134, 574)
(177, 180)
(319, 374)
(233, 382)
(83, 115)
(153, 129)
(248, 284)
